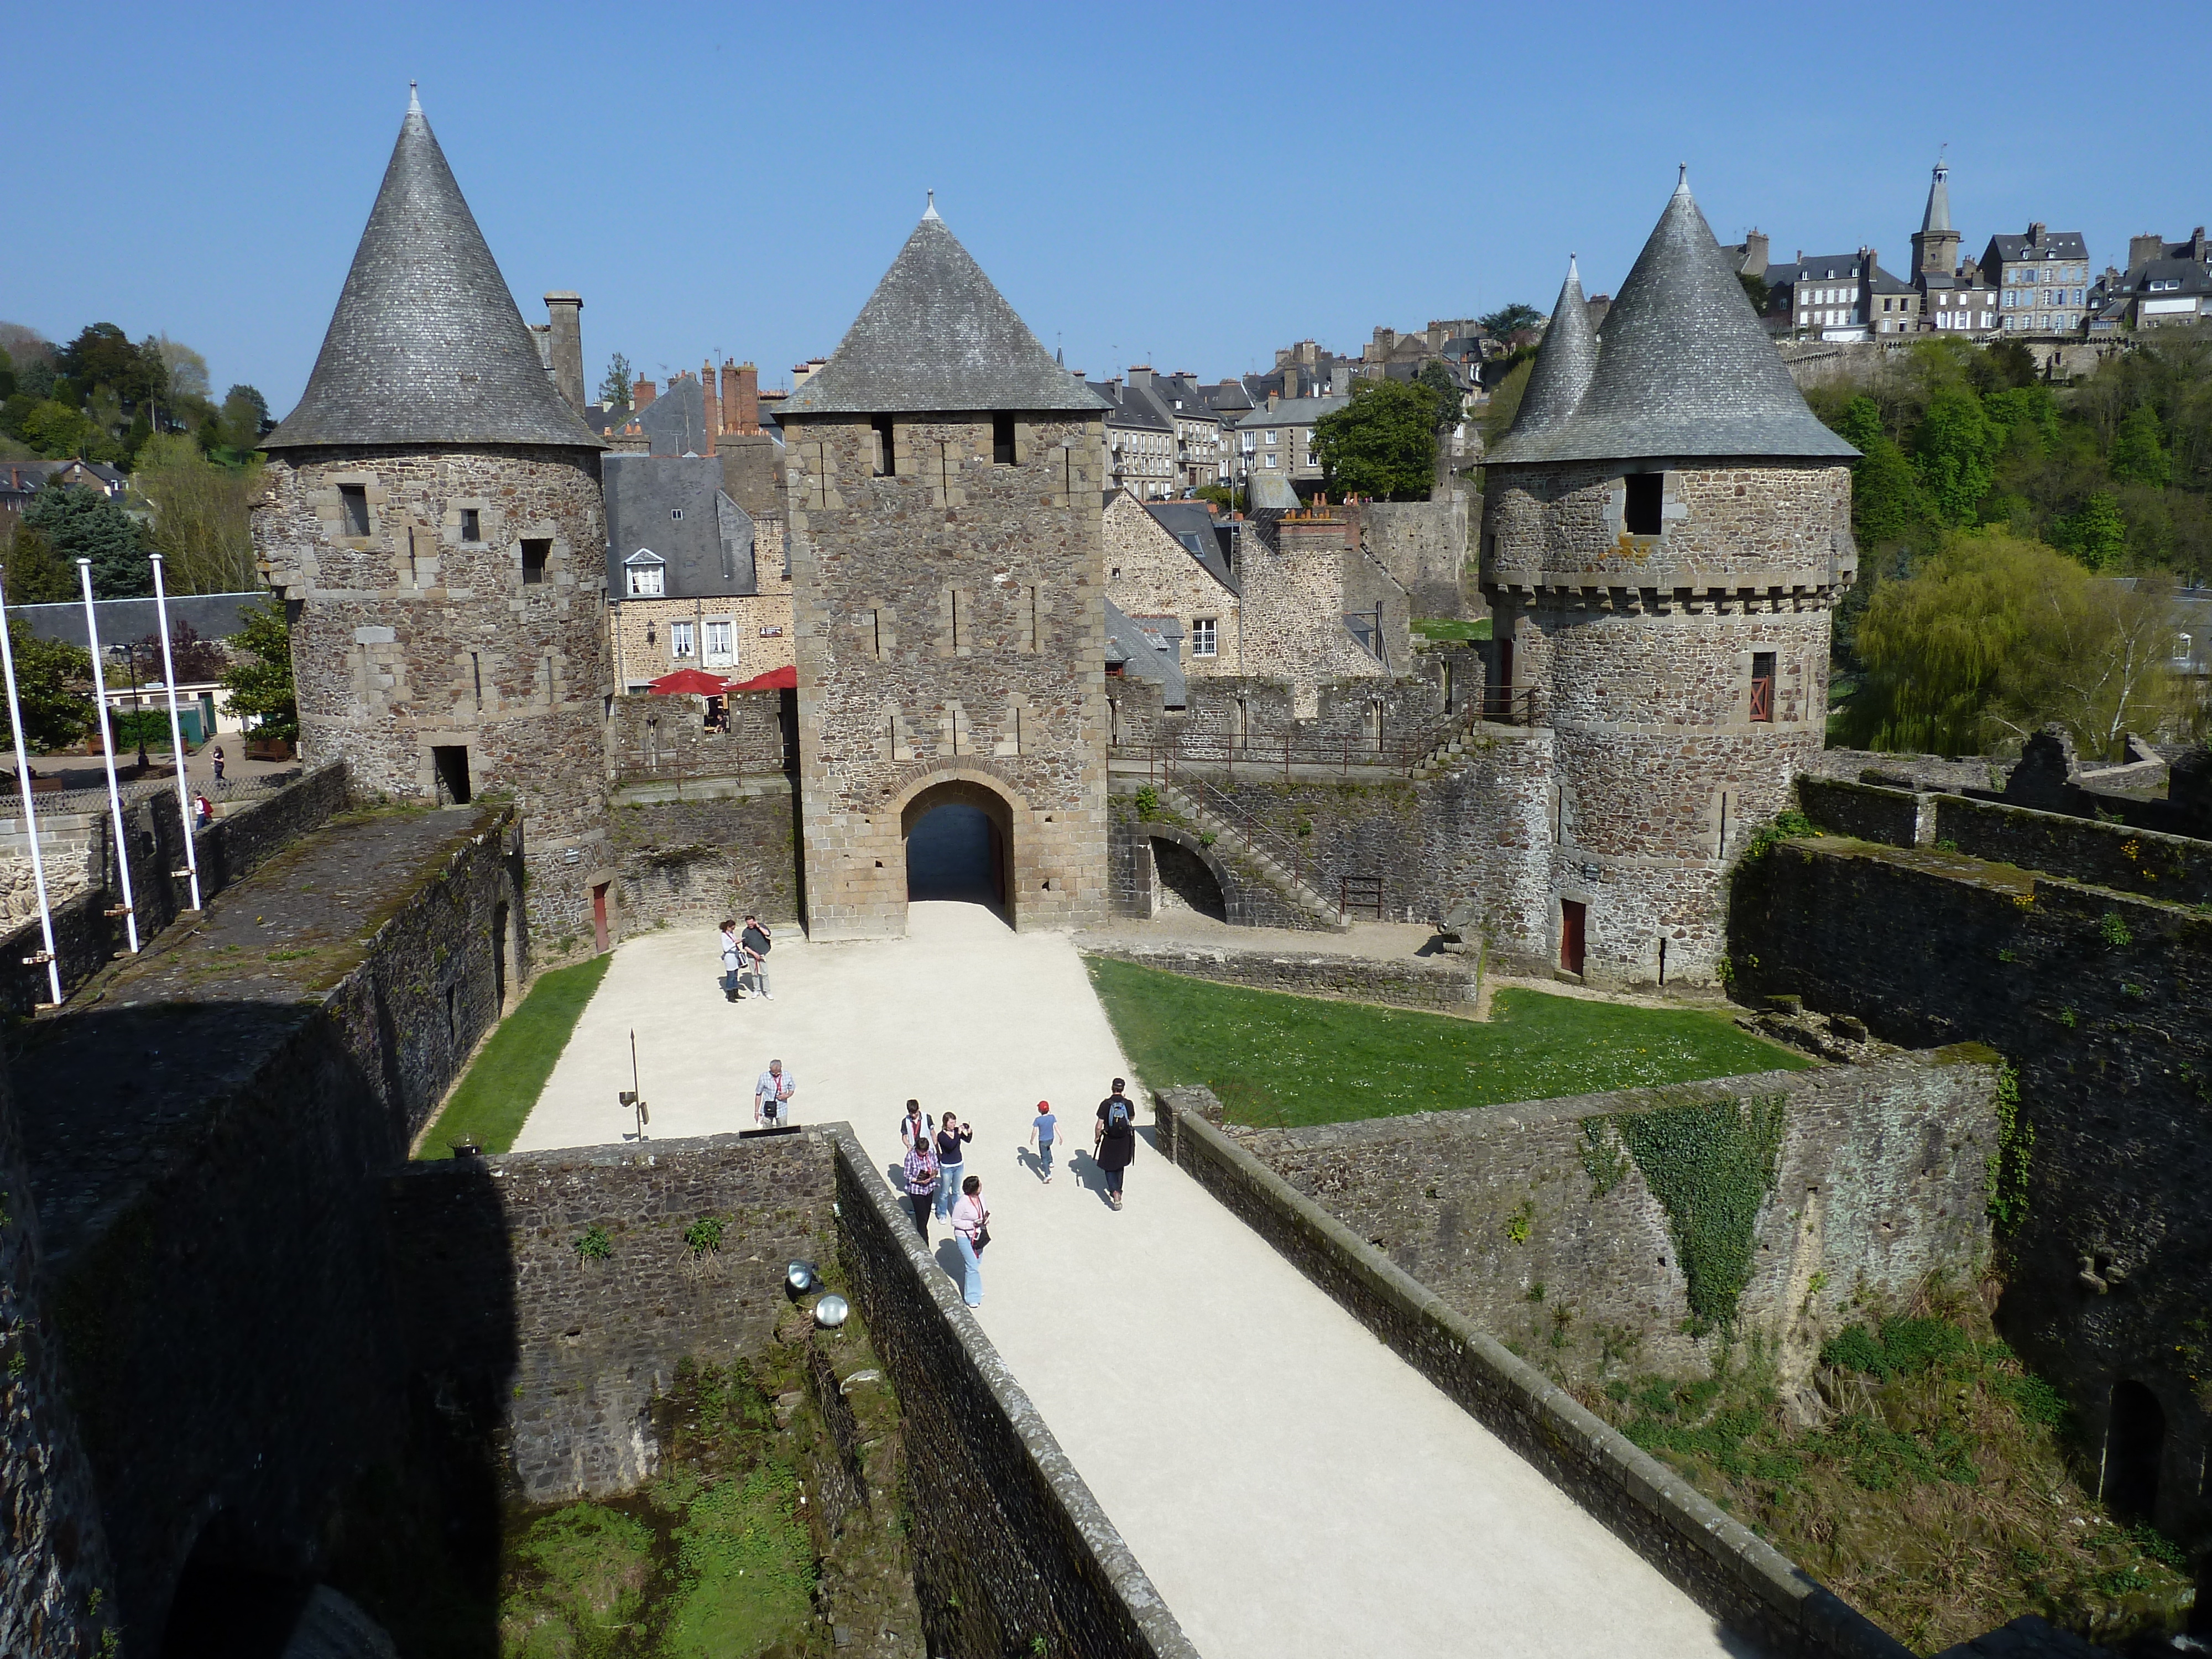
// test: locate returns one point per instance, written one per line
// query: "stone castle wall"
(2103, 1002)
(719, 849)
(411, 638)
(952, 632)
(1424, 546)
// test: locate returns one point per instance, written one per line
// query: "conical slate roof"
(936, 335)
(1683, 367)
(1938, 215)
(1563, 366)
(426, 345)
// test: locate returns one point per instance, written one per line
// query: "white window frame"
(645, 576)
(682, 642)
(721, 633)
(1204, 638)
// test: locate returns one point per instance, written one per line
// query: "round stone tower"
(1666, 529)
(435, 526)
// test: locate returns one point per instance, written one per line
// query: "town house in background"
(2042, 280)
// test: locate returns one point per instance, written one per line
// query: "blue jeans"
(1044, 1159)
(948, 1190)
(972, 1292)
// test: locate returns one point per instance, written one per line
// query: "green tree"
(1755, 290)
(1508, 320)
(53, 684)
(1381, 444)
(1954, 447)
(36, 575)
(83, 524)
(1443, 387)
(259, 680)
(614, 391)
(2138, 454)
(56, 429)
(2096, 533)
(200, 527)
(102, 355)
(232, 434)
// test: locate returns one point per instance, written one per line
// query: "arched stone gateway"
(1189, 878)
(959, 840)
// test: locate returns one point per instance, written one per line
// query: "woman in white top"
(971, 1231)
(732, 960)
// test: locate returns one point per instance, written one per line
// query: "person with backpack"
(1041, 1133)
(732, 963)
(922, 1179)
(756, 944)
(916, 1125)
(1114, 1143)
(971, 1231)
(951, 1133)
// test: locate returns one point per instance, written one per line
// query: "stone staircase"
(1250, 845)
(1450, 743)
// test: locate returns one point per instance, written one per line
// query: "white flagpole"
(107, 743)
(176, 733)
(30, 815)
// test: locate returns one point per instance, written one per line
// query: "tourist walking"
(971, 1231)
(1114, 1143)
(772, 1096)
(916, 1125)
(217, 758)
(732, 963)
(922, 1179)
(756, 944)
(951, 1155)
(1041, 1132)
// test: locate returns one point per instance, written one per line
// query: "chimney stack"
(565, 310)
(640, 394)
(2141, 250)
(710, 406)
(2035, 233)
(1755, 253)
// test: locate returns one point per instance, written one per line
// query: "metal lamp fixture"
(831, 1312)
(801, 1276)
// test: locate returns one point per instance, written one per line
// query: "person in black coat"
(1114, 1142)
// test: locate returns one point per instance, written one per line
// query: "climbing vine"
(2006, 1181)
(1710, 1166)
(1788, 825)
(1603, 1161)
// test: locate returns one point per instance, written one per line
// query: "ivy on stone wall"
(2007, 1181)
(1602, 1159)
(1711, 1165)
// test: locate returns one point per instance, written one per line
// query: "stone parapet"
(1449, 985)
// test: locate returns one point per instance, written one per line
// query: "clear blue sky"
(1187, 186)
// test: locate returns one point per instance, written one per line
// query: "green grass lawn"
(496, 1097)
(1280, 1061)
(1450, 630)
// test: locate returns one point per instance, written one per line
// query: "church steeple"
(1935, 245)
(426, 345)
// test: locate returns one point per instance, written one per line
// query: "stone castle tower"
(1935, 245)
(945, 487)
(1665, 529)
(435, 526)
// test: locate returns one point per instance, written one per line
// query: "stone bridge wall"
(700, 851)
(1447, 985)
(2103, 1001)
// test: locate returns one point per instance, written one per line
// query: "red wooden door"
(600, 915)
(1572, 916)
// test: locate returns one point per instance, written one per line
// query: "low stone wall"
(1862, 811)
(232, 846)
(1537, 1223)
(1446, 985)
(1731, 1572)
(721, 850)
(1011, 1548)
(1909, 771)
(653, 736)
(2177, 868)
(500, 1304)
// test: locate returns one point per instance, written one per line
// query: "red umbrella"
(691, 681)
(776, 679)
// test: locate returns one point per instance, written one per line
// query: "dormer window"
(645, 574)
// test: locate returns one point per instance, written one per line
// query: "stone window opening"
(1646, 498)
(476, 670)
(472, 525)
(1002, 441)
(886, 447)
(2135, 1438)
(353, 507)
(414, 560)
(535, 553)
(1202, 637)
(1762, 686)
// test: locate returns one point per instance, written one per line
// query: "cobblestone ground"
(1291, 1486)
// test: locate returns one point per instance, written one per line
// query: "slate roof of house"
(1145, 654)
(1684, 367)
(2187, 275)
(675, 421)
(1267, 488)
(936, 335)
(708, 553)
(1291, 411)
(426, 345)
(1191, 524)
(1127, 406)
(2055, 245)
(1565, 362)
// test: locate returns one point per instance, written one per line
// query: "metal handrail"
(1286, 853)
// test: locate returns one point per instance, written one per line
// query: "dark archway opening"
(1185, 882)
(223, 1609)
(2135, 1438)
(958, 846)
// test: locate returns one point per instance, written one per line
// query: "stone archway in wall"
(1187, 877)
(958, 836)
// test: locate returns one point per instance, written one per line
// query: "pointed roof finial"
(1682, 180)
(1574, 271)
(414, 99)
(930, 212)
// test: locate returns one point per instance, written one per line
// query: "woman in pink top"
(971, 1231)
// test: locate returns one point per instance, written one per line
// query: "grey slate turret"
(426, 345)
(936, 336)
(1565, 363)
(1683, 367)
